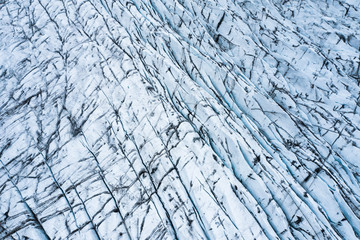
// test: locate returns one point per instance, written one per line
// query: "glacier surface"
(180, 119)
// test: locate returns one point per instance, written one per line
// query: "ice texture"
(179, 119)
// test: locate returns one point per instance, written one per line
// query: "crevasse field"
(179, 119)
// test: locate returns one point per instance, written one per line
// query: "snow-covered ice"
(156, 119)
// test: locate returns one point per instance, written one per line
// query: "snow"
(155, 119)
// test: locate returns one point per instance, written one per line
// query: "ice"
(155, 119)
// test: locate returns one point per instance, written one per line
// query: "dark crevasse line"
(93, 226)
(103, 179)
(28, 208)
(198, 214)
(174, 232)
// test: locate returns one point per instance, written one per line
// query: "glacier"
(156, 119)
